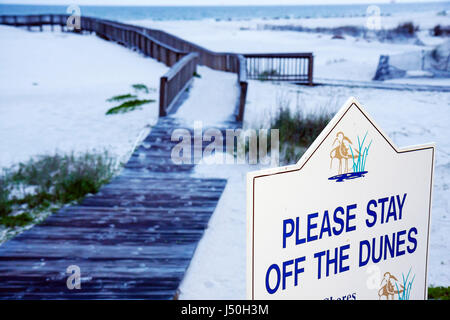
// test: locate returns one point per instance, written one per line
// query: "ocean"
(127, 13)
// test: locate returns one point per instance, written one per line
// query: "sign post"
(350, 220)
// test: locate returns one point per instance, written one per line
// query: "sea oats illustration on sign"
(391, 286)
(343, 151)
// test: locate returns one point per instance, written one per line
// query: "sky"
(201, 2)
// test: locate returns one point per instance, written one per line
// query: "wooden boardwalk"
(134, 239)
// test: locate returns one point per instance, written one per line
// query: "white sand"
(212, 98)
(53, 88)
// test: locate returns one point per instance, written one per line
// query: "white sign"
(350, 220)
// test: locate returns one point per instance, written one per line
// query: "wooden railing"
(130, 36)
(175, 82)
(34, 20)
(242, 82)
(170, 49)
(295, 67)
(133, 38)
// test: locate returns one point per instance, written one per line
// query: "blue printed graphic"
(344, 150)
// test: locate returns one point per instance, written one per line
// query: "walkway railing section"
(133, 38)
(170, 50)
(176, 81)
(242, 82)
(295, 67)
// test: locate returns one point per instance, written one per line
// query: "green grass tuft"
(62, 178)
(140, 87)
(130, 101)
(439, 293)
(53, 180)
(19, 220)
(297, 131)
(5, 190)
(128, 106)
(267, 74)
(122, 97)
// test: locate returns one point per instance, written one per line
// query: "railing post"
(145, 46)
(242, 98)
(243, 84)
(139, 42)
(310, 70)
(163, 96)
(159, 55)
(167, 62)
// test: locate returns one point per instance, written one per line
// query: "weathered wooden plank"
(133, 239)
(136, 237)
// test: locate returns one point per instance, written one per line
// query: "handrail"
(175, 81)
(136, 38)
(108, 29)
(243, 84)
(296, 67)
(279, 55)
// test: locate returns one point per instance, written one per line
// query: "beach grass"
(267, 74)
(130, 101)
(439, 293)
(404, 30)
(19, 220)
(129, 105)
(48, 182)
(439, 31)
(5, 191)
(298, 130)
(140, 87)
(122, 97)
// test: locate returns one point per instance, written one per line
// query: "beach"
(55, 87)
(350, 58)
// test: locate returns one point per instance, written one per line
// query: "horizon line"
(363, 2)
